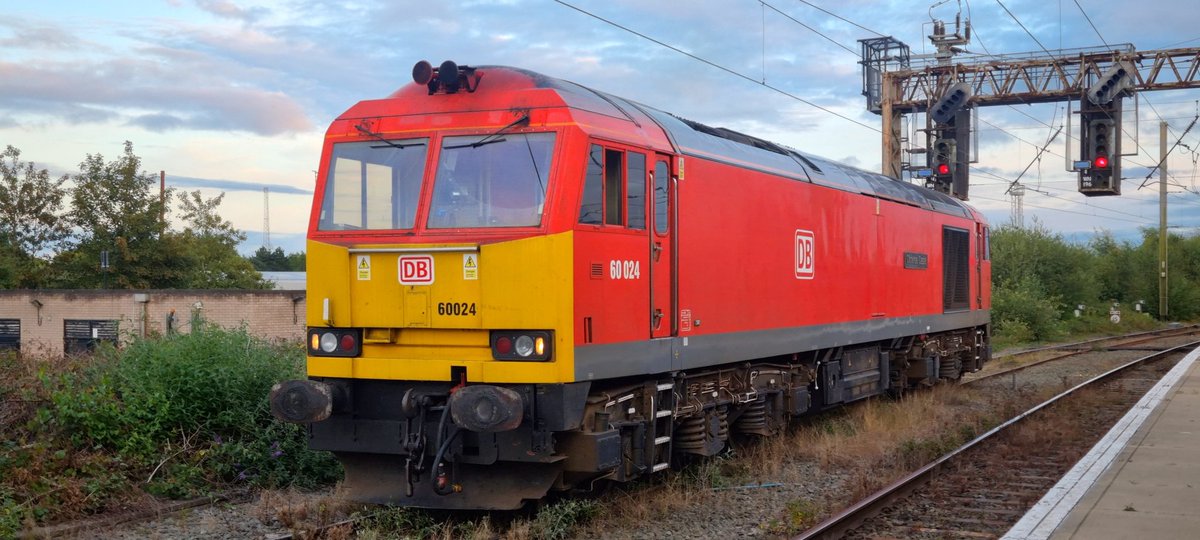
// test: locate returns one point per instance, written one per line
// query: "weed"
(556, 521)
(799, 515)
(397, 522)
(180, 416)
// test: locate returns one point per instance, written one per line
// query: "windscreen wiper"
(491, 138)
(363, 129)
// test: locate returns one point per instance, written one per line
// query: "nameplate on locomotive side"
(916, 261)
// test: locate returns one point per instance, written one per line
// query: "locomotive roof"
(687, 137)
(729, 146)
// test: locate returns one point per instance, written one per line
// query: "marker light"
(347, 343)
(539, 345)
(1101, 162)
(943, 168)
(316, 342)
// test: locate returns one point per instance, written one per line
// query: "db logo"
(416, 270)
(805, 258)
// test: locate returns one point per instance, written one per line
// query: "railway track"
(982, 488)
(1109, 343)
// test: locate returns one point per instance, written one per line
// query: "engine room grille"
(956, 271)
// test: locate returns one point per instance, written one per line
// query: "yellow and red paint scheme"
(712, 278)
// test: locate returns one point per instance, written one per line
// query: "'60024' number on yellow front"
(461, 309)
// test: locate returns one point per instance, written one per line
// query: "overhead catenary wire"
(1093, 25)
(811, 29)
(718, 66)
(1014, 17)
(1051, 209)
(839, 17)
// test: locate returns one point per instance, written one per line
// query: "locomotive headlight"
(329, 342)
(524, 346)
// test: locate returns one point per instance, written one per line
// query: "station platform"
(1141, 481)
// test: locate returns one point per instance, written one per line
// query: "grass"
(176, 417)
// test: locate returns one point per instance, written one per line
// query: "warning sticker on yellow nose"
(364, 267)
(471, 266)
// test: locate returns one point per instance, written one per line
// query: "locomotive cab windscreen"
(478, 181)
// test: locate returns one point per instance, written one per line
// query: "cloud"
(27, 35)
(229, 10)
(157, 122)
(119, 88)
(234, 185)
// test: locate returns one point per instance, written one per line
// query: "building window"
(10, 334)
(81, 336)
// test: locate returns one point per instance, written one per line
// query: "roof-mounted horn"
(447, 78)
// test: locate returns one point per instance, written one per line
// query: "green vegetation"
(54, 236)
(265, 260)
(1039, 279)
(182, 416)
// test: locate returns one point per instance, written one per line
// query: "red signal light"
(943, 168)
(1102, 162)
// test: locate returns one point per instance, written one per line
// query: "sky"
(233, 96)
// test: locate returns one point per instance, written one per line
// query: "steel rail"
(1181, 329)
(1152, 335)
(850, 518)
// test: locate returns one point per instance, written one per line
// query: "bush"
(180, 416)
(190, 400)
(1026, 312)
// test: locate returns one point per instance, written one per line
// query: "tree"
(277, 261)
(114, 208)
(30, 224)
(210, 243)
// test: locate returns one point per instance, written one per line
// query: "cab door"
(663, 321)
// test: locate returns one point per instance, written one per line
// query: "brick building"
(57, 321)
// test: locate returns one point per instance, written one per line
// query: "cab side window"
(614, 189)
(591, 210)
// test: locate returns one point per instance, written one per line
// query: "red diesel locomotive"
(517, 284)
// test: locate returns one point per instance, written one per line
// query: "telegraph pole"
(1162, 221)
